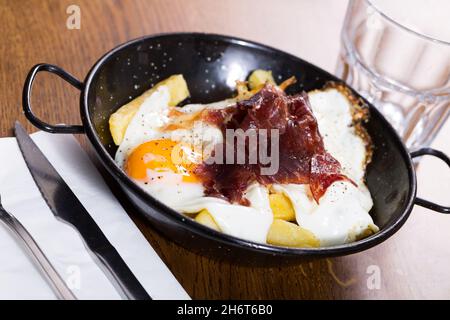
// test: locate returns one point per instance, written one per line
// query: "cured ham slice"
(302, 158)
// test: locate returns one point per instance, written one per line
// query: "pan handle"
(26, 99)
(435, 153)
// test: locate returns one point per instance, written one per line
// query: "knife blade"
(66, 207)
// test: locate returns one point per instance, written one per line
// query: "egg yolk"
(163, 155)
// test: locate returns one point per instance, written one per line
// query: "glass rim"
(407, 29)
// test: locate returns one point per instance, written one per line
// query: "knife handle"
(119, 271)
(49, 272)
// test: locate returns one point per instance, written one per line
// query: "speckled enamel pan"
(211, 64)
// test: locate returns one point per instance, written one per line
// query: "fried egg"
(162, 161)
(158, 152)
(157, 132)
(247, 222)
(342, 214)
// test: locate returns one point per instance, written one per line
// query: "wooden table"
(412, 264)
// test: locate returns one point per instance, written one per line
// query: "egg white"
(333, 112)
(250, 223)
(340, 216)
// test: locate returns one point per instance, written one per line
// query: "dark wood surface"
(412, 264)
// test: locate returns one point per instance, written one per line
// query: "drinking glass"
(397, 55)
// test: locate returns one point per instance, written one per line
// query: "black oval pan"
(211, 63)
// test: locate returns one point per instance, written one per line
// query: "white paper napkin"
(19, 279)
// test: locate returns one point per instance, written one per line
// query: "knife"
(66, 207)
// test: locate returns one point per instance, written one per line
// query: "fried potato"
(286, 83)
(259, 78)
(242, 91)
(205, 218)
(119, 120)
(256, 80)
(371, 229)
(288, 234)
(281, 207)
